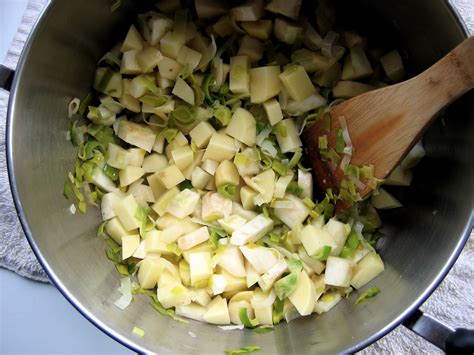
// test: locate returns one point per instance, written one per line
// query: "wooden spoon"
(384, 124)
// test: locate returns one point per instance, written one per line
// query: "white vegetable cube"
(297, 82)
(217, 284)
(163, 200)
(264, 83)
(117, 157)
(136, 134)
(200, 178)
(294, 215)
(183, 204)
(273, 110)
(315, 239)
(264, 183)
(189, 57)
(236, 306)
(221, 147)
(148, 59)
(271, 275)
(130, 174)
(261, 29)
(129, 64)
(252, 48)
(156, 186)
(107, 203)
(247, 196)
(367, 269)
(209, 166)
(173, 295)
(231, 223)
(383, 200)
(159, 26)
(327, 301)
(249, 11)
(149, 273)
(239, 82)
(194, 238)
(399, 176)
(339, 232)
(287, 8)
(287, 32)
(191, 311)
(154, 163)
(226, 173)
(305, 182)
(291, 141)
(262, 304)
(252, 230)
(281, 185)
(183, 91)
(201, 134)
(171, 176)
(140, 252)
(304, 296)
(315, 265)
(242, 127)
(142, 193)
(130, 243)
(247, 162)
(172, 233)
(201, 297)
(217, 311)
(100, 179)
(169, 68)
(215, 206)
(154, 244)
(182, 157)
(200, 267)
(261, 258)
(171, 44)
(339, 271)
(116, 230)
(232, 261)
(133, 40)
(125, 211)
(136, 157)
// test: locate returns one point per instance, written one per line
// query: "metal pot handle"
(6, 77)
(457, 341)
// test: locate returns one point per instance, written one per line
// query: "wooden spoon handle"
(445, 81)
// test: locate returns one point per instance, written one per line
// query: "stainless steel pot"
(421, 243)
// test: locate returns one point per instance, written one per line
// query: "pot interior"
(419, 242)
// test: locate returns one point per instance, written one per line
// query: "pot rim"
(128, 342)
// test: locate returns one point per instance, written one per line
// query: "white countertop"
(35, 317)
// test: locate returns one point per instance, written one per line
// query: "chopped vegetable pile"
(190, 146)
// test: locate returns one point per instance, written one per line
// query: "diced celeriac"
(339, 271)
(130, 174)
(116, 230)
(315, 239)
(232, 261)
(252, 231)
(217, 311)
(183, 204)
(289, 142)
(215, 206)
(130, 243)
(200, 267)
(136, 134)
(293, 215)
(221, 147)
(201, 134)
(125, 211)
(163, 200)
(339, 232)
(194, 238)
(242, 127)
(304, 296)
(366, 270)
(170, 176)
(231, 223)
(264, 83)
(149, 273)
(273, 110)
(297, 82)
(239, 82)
